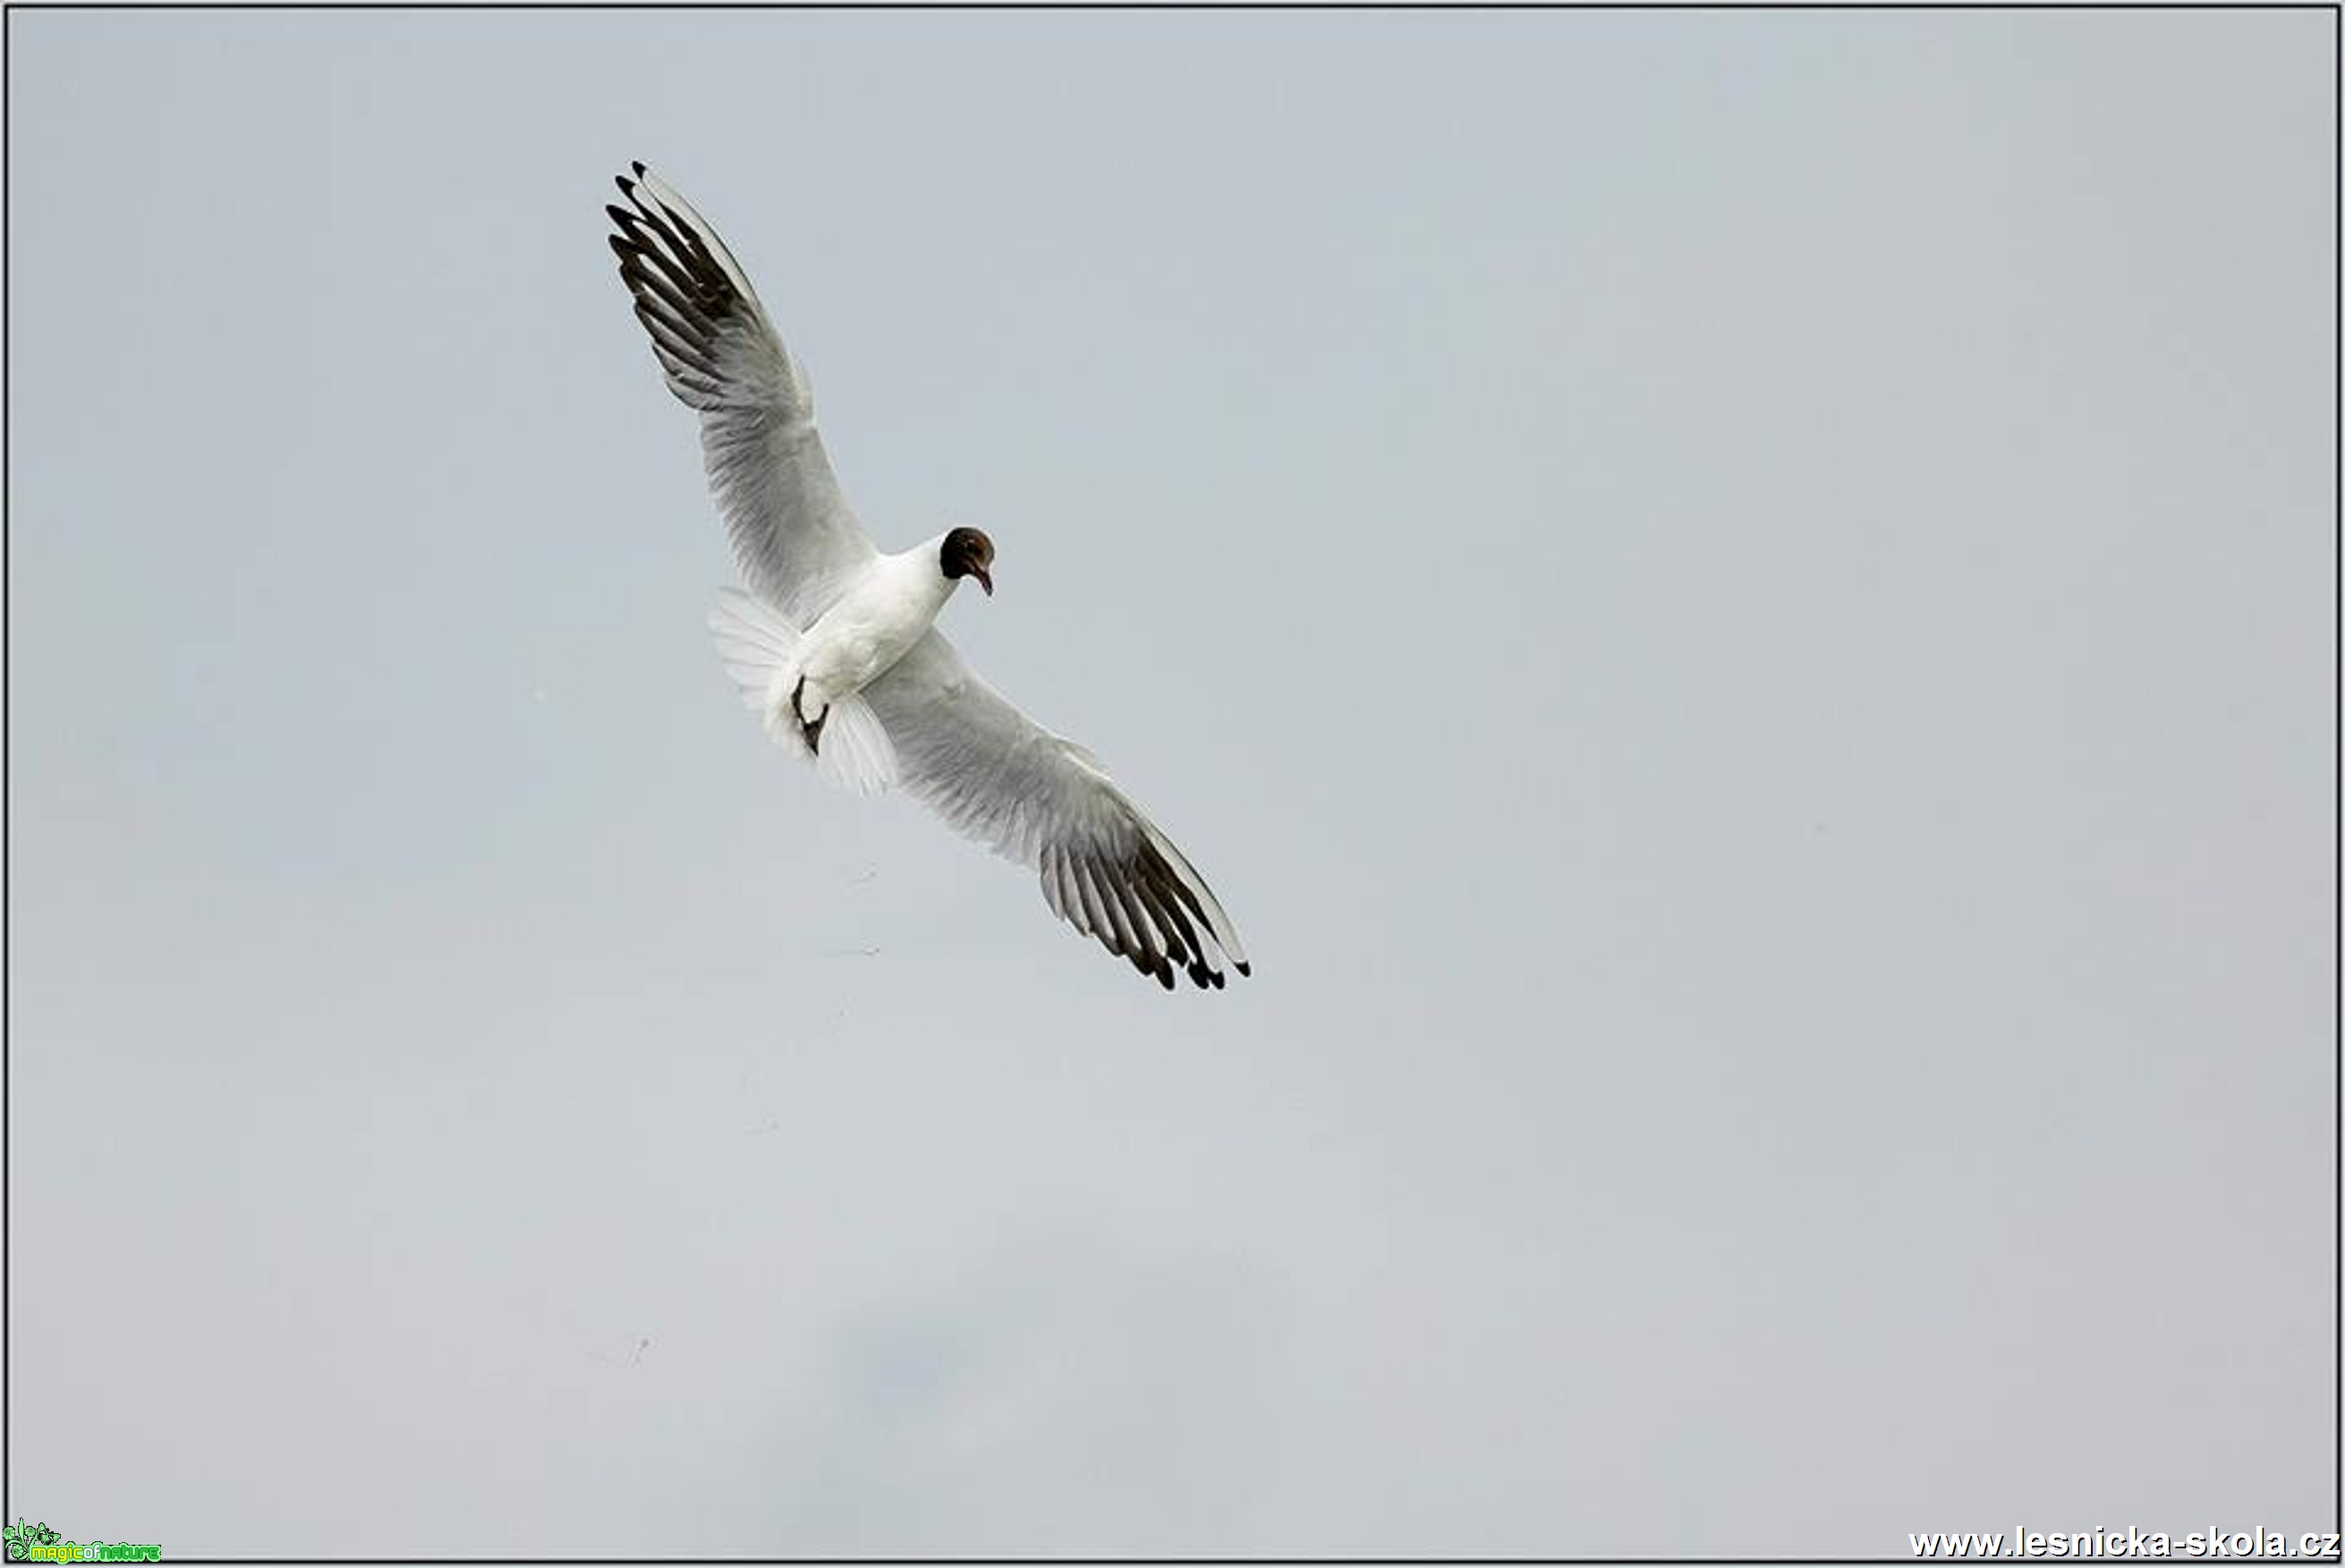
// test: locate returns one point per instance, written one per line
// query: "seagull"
(834, 644)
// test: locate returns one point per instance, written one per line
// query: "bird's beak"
(984, 579)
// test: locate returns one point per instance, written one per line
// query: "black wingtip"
(638, 166)
(1164, 975)
(1246, 969)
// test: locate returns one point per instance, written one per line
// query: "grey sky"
(1740, 608)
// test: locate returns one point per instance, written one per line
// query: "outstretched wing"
(796, 539)
(995, 774)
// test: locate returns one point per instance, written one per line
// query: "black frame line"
(2336, 8)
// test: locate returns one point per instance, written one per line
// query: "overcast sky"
(1740, 607)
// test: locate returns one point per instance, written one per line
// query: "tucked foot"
(811, 731)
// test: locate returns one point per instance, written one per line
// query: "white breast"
(887, 609)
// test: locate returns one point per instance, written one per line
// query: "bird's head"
(967, 552)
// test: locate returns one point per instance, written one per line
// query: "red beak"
(984, 579)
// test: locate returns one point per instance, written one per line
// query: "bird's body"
(835, 645)
(873, 622)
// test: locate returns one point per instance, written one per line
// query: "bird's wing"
(995, 774)
(796, 539)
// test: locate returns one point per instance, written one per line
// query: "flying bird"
(835, 642)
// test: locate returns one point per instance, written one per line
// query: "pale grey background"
(1741, 606)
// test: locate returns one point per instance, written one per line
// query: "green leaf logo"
(22, 1538)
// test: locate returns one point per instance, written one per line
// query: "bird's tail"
(761, 654)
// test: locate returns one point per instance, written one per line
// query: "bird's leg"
(813, 731)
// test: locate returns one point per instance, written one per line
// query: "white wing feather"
(796, 539)
(967, 752)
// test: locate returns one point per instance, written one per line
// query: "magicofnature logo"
(39, 1543)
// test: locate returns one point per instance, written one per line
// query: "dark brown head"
(967, 552)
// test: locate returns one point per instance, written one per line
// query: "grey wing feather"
(991, 773)
(797, 540)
